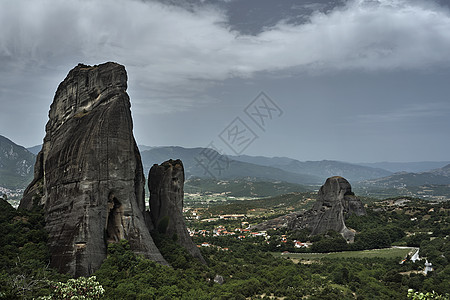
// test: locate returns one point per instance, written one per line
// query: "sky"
(355, 81)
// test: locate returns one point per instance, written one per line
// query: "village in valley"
(238, 228)
(214, 224)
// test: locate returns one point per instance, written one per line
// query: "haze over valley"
(431, 181)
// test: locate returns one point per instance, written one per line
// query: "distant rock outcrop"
(165, 183)
(89, 174)
(335, 202)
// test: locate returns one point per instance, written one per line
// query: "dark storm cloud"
(255, 16)
(171, 48)
(175, 53)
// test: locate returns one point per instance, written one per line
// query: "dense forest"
(240, 269)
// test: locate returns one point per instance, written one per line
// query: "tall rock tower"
(335, 202)
(89, 174)
(165, 183)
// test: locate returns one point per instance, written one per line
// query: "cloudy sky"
(356, 80)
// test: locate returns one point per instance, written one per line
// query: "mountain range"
(410, 167)
(440, 176)
(322, 169)
(207, 163)
(16, 164)
(16, 168)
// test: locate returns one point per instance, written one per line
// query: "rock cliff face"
(89, 174)
(165, 183)
(335, 202)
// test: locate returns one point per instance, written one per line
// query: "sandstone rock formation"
(335, 202)
(89, 174)
(165, 183)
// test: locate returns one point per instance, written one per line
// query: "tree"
(74, 289)
(372, 239)
(332, 242)
(425, 296)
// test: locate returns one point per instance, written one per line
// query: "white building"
(428, 267)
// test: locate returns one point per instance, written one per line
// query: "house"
(415, 256)
(231, 217)
(257, 234)
(298, 244)
(428, 267)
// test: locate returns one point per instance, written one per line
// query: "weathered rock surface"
(165, 183)
(335, 202)
(89, 174)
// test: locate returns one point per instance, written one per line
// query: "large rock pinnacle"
(165, 183)
(335, 202)
(89, 174)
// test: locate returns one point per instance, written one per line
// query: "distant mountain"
(439, 176)
(35, 149)
(144, 147)
(207, 163)
(412, 167)
(264, 160)
(322, 169)
(16, 165)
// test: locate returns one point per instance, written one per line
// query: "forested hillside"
(243, 268)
